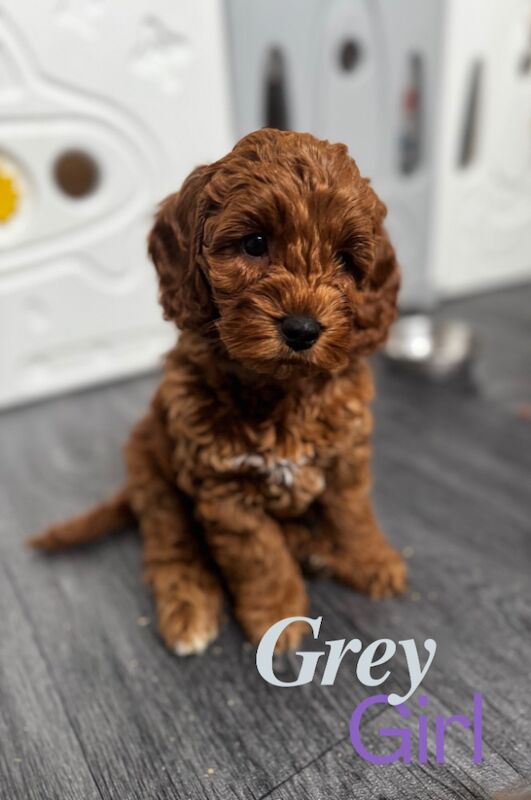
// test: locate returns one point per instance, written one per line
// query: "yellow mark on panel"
(8, 197)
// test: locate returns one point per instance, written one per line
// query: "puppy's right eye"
(348, 263)
(254, 245)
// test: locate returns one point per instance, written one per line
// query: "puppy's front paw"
(193, 643)
(380, 574)
(189, 621)
(257, 617)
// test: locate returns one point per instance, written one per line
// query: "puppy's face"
(287, 256)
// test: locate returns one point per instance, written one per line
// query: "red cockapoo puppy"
(254, 457)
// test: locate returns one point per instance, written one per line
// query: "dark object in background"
(471, 117)
(350, 55)
(276, 103)
(411, 137)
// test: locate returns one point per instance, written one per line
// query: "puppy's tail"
(113, 515)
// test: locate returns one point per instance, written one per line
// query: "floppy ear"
(175, 246)
(379, 309)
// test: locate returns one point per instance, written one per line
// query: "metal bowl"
(434, 347)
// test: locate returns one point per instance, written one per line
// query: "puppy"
(253, 459)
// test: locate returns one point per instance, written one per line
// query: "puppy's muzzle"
(300, 332)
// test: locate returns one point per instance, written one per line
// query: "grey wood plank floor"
(91, 705)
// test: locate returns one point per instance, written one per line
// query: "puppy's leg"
(188, 596)
(249, 546)
(360, 554)
(308, 546)
(348, 540)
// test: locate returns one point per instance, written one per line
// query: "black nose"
(300, 332)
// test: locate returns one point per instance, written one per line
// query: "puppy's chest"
(288, 485)
(285, 461)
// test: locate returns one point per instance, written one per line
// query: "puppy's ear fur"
(175, 248)
(379, 310)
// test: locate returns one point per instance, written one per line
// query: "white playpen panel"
(104, 109)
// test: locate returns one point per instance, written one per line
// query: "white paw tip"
(194, 646)
(317, 562)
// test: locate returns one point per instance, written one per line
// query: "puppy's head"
(279, 249)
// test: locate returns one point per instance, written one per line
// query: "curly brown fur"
(246, 438)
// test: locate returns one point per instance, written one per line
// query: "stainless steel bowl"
(434, 347)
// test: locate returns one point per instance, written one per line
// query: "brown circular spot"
(76, 173)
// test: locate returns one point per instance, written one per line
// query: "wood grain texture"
(95, 707)
(37, 744)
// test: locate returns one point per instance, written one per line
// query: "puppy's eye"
(255, 245)
(348, 263)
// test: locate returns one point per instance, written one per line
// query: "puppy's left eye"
(349, 264)
(255, 245)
